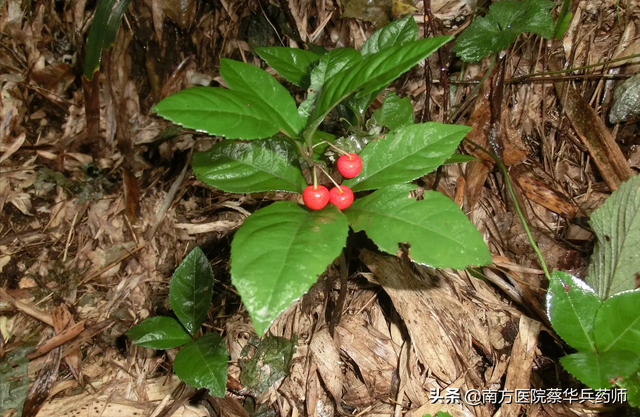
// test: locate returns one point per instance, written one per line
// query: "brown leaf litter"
(94, 217)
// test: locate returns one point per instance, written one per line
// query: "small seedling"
(201, 362)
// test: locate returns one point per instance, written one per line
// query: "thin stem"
(333, 146)
(332, 180)
(315, 178)
(338, 149)
(304, 154)
(307, 134)
(512, 194)
(564, 71)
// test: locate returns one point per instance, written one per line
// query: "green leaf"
(328, 66)
(250, 167)
(571, 307)
(203, 364)
(439, 233)
(269, 364)
(191, 289)
(221, 112)
(502, 25)
(395, 112)
(564, 19)
(14, 380)
(359, 105)
(632, 385)
(395, 33)
(408, 153)
(615, 261)
(293, 64)
(102, 34)
(278, 253)
(266, 90)
(317, 49)
(159, 333)
(373, 73)
(598, 370)
(626, 100)
(617, 325)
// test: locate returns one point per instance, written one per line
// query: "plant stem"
(332, 180)
(338, 149)
(564, 71)
(512, 194)
(315, 178)
(307, 135)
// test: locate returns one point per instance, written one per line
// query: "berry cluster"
(341, 196)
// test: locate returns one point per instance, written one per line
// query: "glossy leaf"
(293, 64)
(278, 254)
(617, 325)
(505, 21)
(408, 153)
(571, 307)
(359, 105)
(203, 364)
(598, 370)
(353, 143)
(373, 73)
(102, 34)
(615, 261)
(328, 66)
(438, 232)
(221, 112)
(250, 167)
(395, 112)
(159, 333)
(395, 33)
(191, 289)
(251, 80)
(626, 101)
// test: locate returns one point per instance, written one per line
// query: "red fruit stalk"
(341, 197)
(316, 198)
(350, 165)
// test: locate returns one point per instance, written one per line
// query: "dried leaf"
(374, 11)
(601, 145)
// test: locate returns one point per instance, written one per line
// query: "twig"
(26, 308)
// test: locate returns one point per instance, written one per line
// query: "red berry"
(341, 197)
(350, 165)
(315, 198)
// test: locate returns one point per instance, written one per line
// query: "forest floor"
(95, 215)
